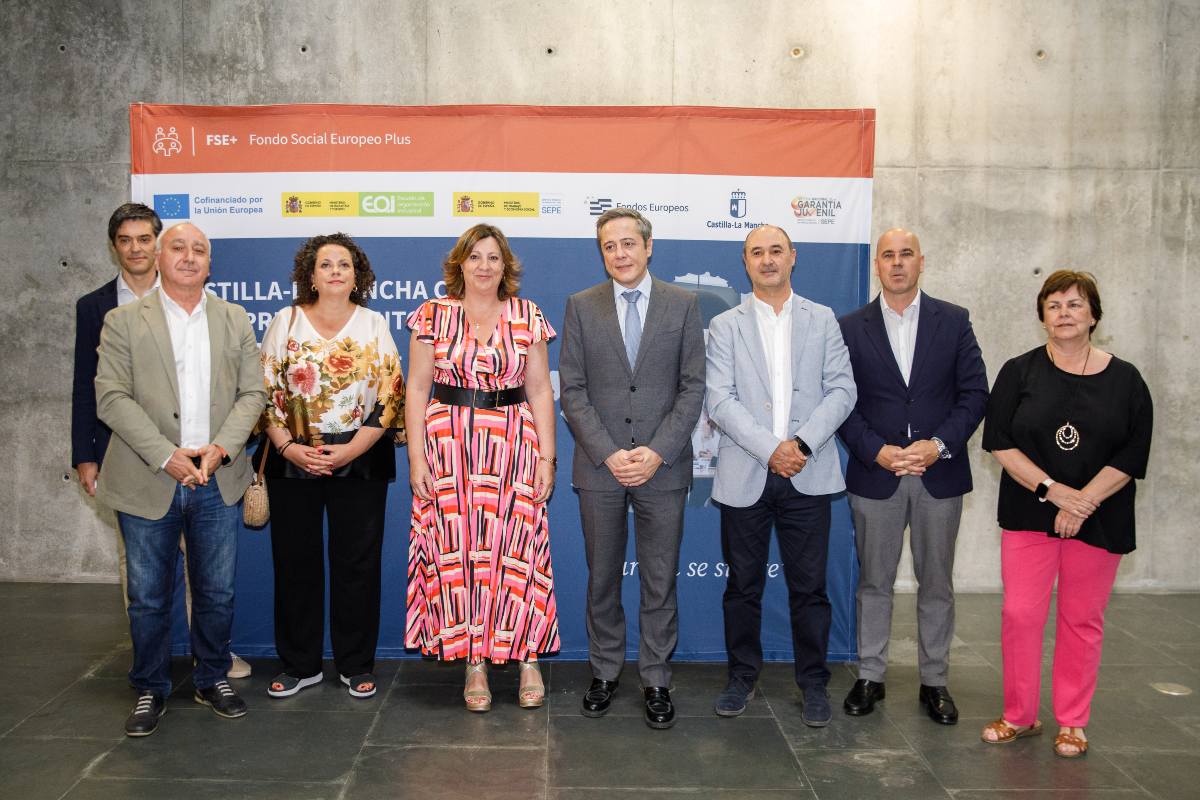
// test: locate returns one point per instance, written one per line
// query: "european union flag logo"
(172, 206)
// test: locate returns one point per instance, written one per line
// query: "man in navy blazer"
(922, 391)
(133, 230)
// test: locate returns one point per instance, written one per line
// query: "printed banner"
(407, 181)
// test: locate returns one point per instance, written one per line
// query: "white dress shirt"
(643, 302)
(193, 368)
(775, 330)
(125, 294)
(902, 332)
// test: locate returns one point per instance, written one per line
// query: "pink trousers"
(1030, 562)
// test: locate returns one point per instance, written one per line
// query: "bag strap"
(262, 462)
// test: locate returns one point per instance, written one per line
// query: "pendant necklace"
(1067, 437)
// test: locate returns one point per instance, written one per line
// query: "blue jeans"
(151, 549)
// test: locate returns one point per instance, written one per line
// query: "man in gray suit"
(179, 384)
(779, 385)
(632, 384)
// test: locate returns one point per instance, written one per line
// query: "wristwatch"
(943, 451)
(805, 449)
(1042, 488)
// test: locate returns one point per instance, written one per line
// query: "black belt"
(478, 398)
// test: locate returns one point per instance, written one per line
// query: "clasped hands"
(911, 460)
(183, 467)
(787, 460)
(1074, 506)
(322, 460)
(633, 467)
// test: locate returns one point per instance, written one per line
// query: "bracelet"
(285, 447)
(552, 460)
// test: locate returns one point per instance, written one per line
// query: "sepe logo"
(598, 205)
(551, 204)
(815, 210)
(737, 205)
(172, 206)
(167, 144)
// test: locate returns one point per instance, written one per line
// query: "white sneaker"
(239, 668)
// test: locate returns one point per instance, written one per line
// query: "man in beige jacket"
(179, 384)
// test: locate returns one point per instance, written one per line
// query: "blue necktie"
(633, 325)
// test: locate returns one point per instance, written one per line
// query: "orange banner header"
(180, 139)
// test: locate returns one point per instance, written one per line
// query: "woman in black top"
(1070, 425)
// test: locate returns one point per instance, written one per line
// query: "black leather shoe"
(939, 704)
(598, 698)
(660, 711)
(862, 697)
(143, 720)
(223, 699)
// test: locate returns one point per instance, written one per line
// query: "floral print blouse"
(318, 386)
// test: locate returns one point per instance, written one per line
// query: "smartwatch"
(1042, 489)
(805, 449)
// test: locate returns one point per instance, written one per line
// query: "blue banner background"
(833, 274)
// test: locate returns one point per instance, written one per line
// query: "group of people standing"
(181, 383)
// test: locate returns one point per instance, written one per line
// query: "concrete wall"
(1016, 137)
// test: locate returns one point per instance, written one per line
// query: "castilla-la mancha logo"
(167, 144)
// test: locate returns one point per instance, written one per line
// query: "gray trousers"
(658, 531)
(879, 535)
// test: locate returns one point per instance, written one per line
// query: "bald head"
(899, 264)
(898, 236)
(762, 231)
(183, 261)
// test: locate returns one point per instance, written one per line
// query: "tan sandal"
(1068, 739)
(1007, 732)
(477, 699)
(534, 695)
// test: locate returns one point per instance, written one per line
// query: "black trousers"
(802, 524)
(356, 514)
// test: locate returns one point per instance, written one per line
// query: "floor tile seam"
(919, 754)
(87, 769)
(1124, 773)
(50, 737)
(799, 765)
(87, 672)
(529, 748)
(213, 781)
(547, 682)
(352, 771)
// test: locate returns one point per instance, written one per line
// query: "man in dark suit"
(632, 384)
(132, 231)
(922, 391)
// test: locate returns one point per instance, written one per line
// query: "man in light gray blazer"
(631, 374)
(779, 385)
(179, 383)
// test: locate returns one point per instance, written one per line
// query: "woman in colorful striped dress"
(480, 584)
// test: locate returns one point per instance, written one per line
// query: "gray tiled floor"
(63, 697)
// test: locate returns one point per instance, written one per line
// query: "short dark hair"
(510, 281)
(620, 212)
(1064, 279)
(130, 211)
(306, 264)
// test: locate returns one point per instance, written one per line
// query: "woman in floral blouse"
(336, 406)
